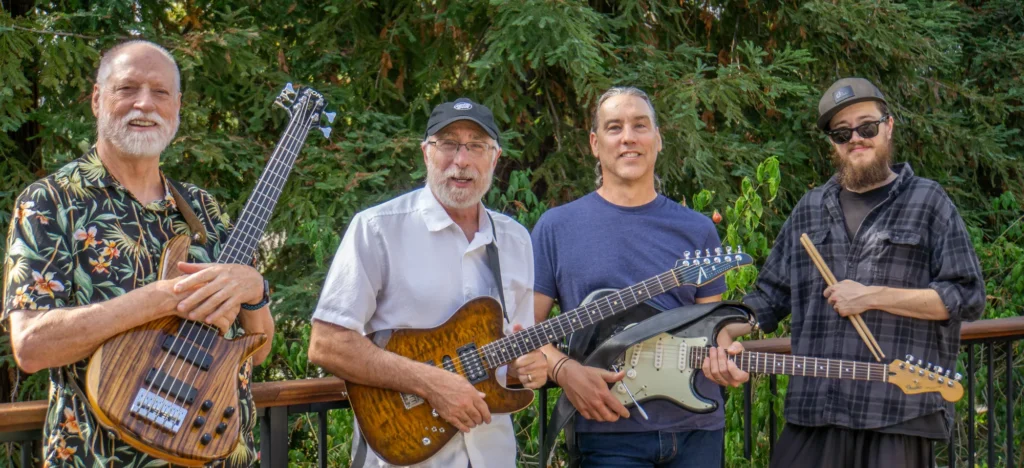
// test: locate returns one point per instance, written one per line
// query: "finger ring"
(529, 378)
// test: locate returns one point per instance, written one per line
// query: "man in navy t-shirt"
(619, 235)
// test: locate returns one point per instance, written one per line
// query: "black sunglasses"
(865, 130)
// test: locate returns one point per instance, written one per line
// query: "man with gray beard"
(906, 266)
(411, 263)
(85, 246)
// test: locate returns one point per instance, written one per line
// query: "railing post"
(321, 432)
(990, 404)
(747, 423)
(970, 405)
(773, 385)
(26, 453)
(542, 420)
(1009, 404)
(274, 437)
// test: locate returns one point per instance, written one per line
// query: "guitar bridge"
(158, 410)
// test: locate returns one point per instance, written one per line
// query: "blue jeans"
(691, 449)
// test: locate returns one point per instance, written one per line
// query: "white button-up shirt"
(406, 264)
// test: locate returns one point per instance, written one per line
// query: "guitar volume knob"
(221, 428)
(631, 373)
(229, 411)
(199, 421)
(205, 439)
(207, 405)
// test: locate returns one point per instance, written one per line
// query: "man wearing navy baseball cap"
(411, 263)
(907, 267)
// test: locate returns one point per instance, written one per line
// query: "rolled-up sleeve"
(955, 270)
(771, 294)
(349, 296)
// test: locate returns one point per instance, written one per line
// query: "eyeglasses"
(865, 130)
(450, 147)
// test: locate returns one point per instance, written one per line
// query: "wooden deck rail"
(28, 415)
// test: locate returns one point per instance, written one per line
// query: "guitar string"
(285, 163)
(755, 359)
(603, 307)
(295, 125)
(192, 324)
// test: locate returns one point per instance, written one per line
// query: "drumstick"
(830, 279)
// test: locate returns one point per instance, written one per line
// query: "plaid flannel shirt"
(914, 239)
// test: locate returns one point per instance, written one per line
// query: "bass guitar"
(403, 430)
(169, 388)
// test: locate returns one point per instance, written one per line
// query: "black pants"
(833, 447)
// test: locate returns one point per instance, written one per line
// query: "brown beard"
(855, 178)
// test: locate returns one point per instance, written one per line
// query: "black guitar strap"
(495, 266)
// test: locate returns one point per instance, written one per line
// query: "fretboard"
(784, 364)
(507, 349)
(246, 235)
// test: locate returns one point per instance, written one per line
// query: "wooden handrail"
(28, 415)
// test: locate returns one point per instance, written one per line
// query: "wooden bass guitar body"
(403, 429)
(178, 401)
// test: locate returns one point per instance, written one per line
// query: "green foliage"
(735, 84)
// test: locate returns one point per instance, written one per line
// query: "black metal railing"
(20, 423)
(988, 335)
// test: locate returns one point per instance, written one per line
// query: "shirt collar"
(437, 219)
(89, 172)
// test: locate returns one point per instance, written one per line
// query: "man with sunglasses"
(410, 263)
(906, 265)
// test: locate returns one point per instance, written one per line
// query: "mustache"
(463, 173)
(137, 114)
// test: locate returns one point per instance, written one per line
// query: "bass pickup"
(188, 351)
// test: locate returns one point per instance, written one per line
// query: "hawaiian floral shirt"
(79, 237)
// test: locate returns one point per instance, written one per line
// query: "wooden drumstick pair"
(830, 279)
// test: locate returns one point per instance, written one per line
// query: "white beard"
(140, 145)
(454, 197)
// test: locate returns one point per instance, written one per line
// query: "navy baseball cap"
(462, 109)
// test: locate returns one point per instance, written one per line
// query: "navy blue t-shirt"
(591, 244)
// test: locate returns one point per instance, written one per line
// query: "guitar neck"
(246, 235)
(507, 349)
(784, 364)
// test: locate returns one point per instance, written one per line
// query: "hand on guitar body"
(216, 291)
(717, 367)
(587, 390)
(456, 400)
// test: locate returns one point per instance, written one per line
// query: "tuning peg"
(326, 131)
(686, 255)
(707, 252)
(910, 358)
(946, 373)
(289, 89)
(958, 377)
(330, 116)
(696, 253)
(929, 366)
(739, 249)
(718, 251)
(920, 363)
(728, 250)
(938, 369)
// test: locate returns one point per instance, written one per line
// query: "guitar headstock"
(702, 267)
(306, 107)
(917, 378)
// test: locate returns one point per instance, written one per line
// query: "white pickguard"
(659, 368)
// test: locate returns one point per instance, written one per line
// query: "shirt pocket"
(899, 258)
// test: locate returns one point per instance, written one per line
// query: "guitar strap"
(360, 447)
(495, 266)
(185, 208)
